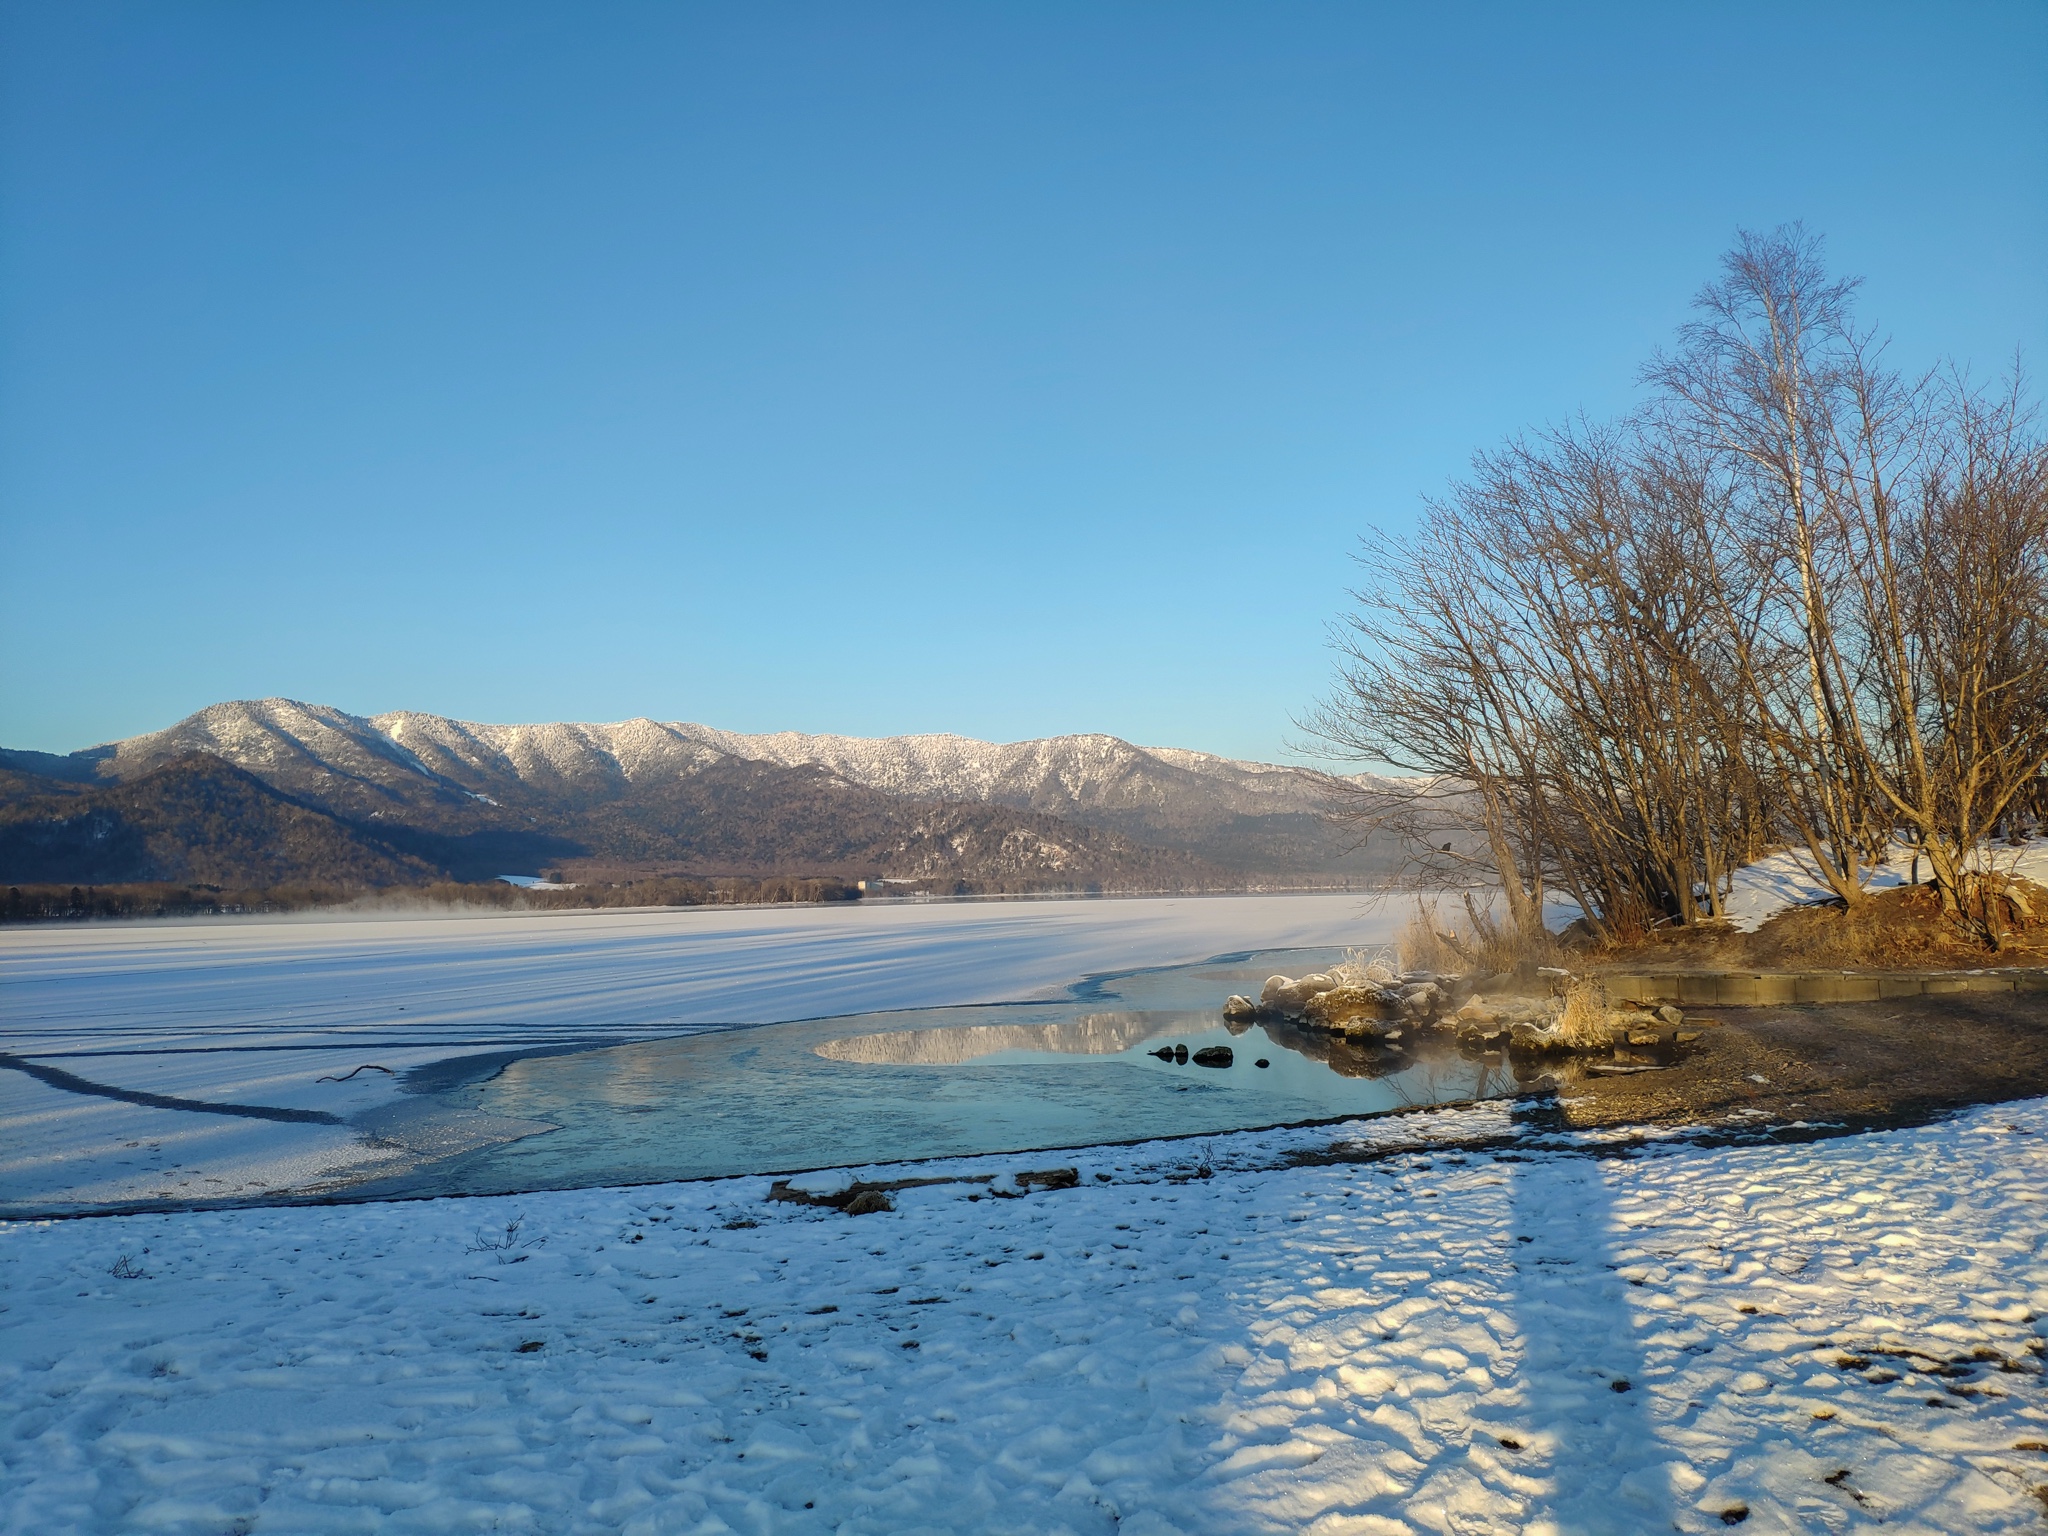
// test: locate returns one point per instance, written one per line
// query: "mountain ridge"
(649, 793)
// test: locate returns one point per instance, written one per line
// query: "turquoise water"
(888, 1087)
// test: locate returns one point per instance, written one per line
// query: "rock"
(868, 1202)
(1215, 1056)
(1240, 1008)
(1262, 1062)
(1644, 1037)
(1180, 1055)
(1164, 1053)
(1577, 934)
(1422, 1001)
(1671, 1015)
(1290, 999)
(1335, 1006)
(1477, 1012)
(1049, 1178)
(1686, 1036)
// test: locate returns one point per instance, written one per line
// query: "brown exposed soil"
(1897, 930)
(1864, 1064)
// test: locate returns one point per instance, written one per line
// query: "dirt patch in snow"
(1901, 1062)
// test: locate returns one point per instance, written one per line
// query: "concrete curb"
(1763, 989)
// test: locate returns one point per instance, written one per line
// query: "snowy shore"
(1805, 1338)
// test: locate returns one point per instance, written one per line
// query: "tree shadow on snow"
(1585, 1422)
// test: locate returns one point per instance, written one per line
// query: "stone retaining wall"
(1760, 989)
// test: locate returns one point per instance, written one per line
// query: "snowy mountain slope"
(303, 748)
(1245, 816)
(1056, 773)
(576, 758)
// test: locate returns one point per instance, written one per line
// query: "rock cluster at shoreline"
(1533, 1011)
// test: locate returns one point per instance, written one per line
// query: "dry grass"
(1896, 929)
(1471, 944)
(1427, 945)
(1584, 1022)
(1362, 967)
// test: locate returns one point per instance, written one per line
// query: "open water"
(888, 1087)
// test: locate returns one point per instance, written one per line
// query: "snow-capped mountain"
(463, 779)
(282, 738)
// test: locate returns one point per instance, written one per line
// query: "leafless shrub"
(510, 1245)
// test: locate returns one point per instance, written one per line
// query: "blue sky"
(1003, 369)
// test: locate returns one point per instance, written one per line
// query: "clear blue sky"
(1008, 369)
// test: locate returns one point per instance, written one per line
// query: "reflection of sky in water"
(937, 1082)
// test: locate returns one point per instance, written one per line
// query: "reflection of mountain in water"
(1096, 1034)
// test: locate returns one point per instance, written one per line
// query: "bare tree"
(1774, 382)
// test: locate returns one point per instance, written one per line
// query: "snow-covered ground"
(1814, 1338)
(258, 1012)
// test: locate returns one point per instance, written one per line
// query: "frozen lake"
(245, 1059)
